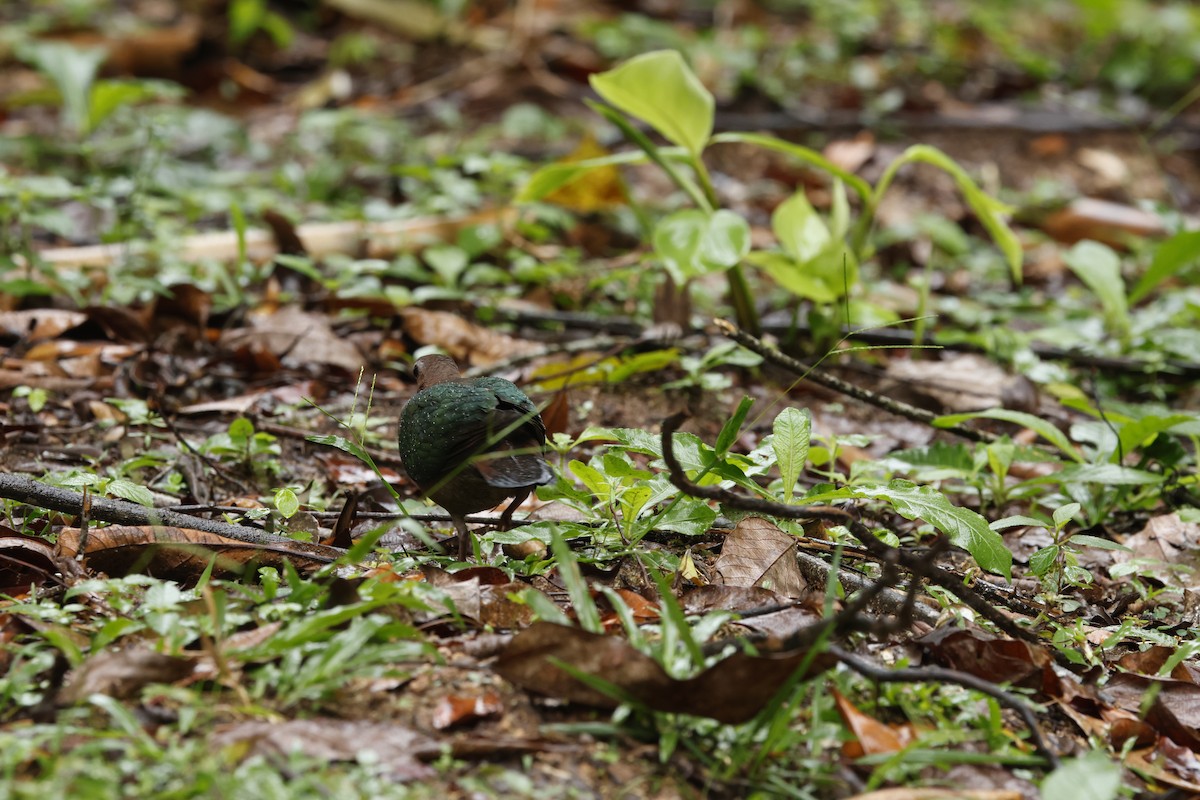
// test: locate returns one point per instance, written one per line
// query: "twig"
(122, 512)
(829, 381)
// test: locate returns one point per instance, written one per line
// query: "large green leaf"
(962, 526)
(1038, 425)
(555, 176)
(691, 242)
(988, 209)
(799, 228)
(1099, 267)
(1171, 257)
(792, 431)
(660, 89)
(792, 276)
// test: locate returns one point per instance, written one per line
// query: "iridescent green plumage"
(471, 444)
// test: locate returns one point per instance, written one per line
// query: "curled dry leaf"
(26, 562)
(182, 554)
(460, 710)
(872, 737)
(960, 383)
(993, 659)
(732, 691)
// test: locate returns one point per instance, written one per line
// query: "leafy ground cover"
(866, 336)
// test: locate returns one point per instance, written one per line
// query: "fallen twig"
(829, 381)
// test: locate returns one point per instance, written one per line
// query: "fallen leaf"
(872, 737)
(328, 739)
(733, 690)
(459, 710)
(758, 553)
(121, 674)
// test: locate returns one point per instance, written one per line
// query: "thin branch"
(122, 512)
(823, 378)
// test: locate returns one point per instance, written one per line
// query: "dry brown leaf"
(851, 154)
(960, 383)
(296, 336)
(183, 554)
(872, 737)
(40, 323)
(930, 793)
(463, 340)
(123, 673)
(455, 709)
(991, 658)
(1102, 221)
(1170, 542)
(320, 239)
(758, 553)
(328, 739)
(731, 691)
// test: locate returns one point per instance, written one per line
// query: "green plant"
(257, 452)
(1057, 565)
(816, 260)
(85, 101)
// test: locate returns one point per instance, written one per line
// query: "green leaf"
(593, 479)
(792, 432)
(988, 209)
(792, 276)
(1142, 431)
(240, 430)
(447, 261)
(1113, 474)
(691, 242)
(1093, 776)
(1084, 540)
(799, 228)
(1036, 424)
(287, 503)
(807, 155)
(108, 96)
(660, 89)
(633, 500)
(575, 584)
(690, 516)
(1170, 258)
(553, 177)
(130, 491)
(733, 426)
(1041, 562)
(72, 70)
(1099, 267)
(1064, 514)
(1014, 521)
(962, 526)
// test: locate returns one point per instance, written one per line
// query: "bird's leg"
(506, 515)
(464, 536)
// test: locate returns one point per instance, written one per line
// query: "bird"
(470, 444)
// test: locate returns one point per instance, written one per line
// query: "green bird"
(471, 444)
